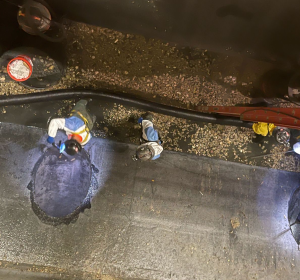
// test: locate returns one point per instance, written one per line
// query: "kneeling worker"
(77, 128)
(151, 143)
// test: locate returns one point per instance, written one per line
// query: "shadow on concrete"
(178, 217)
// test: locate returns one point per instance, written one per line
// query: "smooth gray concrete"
(181, 217)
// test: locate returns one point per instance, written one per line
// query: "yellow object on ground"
(263, 128)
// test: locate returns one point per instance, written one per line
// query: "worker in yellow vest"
(77, 128)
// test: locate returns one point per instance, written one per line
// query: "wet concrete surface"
(51, 176)
(180, 217)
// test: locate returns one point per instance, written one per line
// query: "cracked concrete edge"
(49, 272)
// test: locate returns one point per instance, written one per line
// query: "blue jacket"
(151, 135)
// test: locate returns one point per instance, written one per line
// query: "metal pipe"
(122, 98)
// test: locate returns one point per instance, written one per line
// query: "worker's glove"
(50, 139)
(296, 148)
(140, 120)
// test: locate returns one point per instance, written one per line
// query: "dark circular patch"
(61, 182)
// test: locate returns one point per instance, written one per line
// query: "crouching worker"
(77, 128)
(151, 143)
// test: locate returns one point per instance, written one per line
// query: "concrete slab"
(180, 217)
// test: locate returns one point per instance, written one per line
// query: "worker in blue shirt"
(151, 143)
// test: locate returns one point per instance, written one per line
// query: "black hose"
(122, 98)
